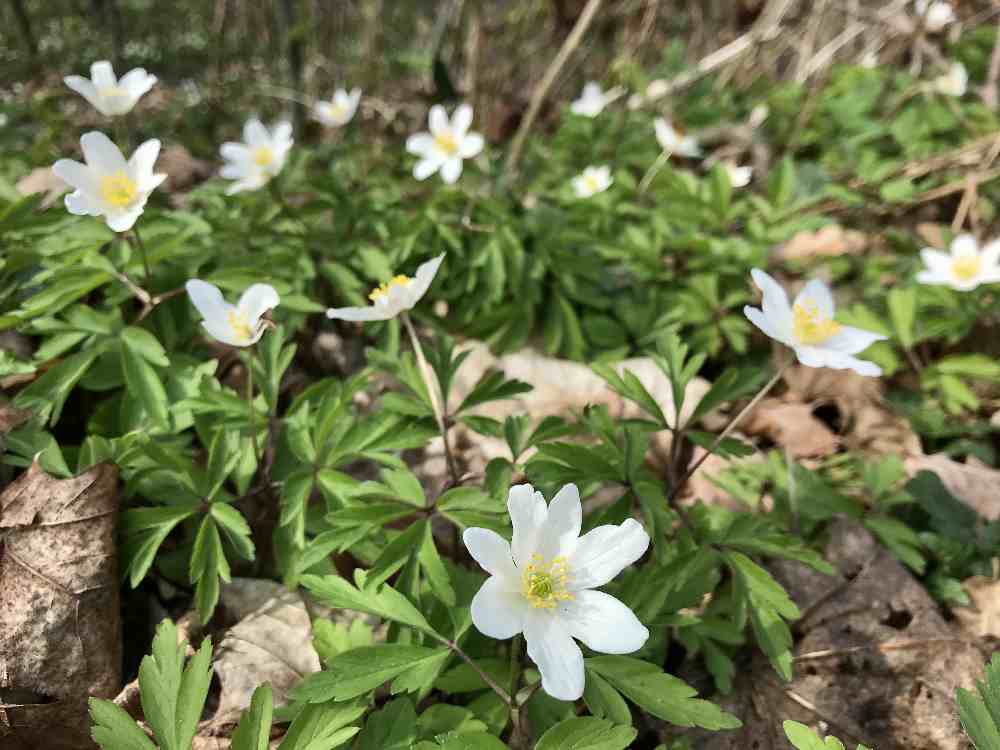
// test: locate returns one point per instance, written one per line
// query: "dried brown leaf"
(832, 240)
(978, 486)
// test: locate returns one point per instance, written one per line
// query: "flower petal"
(989, 256)
(422, 280)
(461, 120)
(603, 623)
(223, 332)
(527, 515)
(561, 530)
(76, 175)
(361, 314)
(757, 317)
(426, 167)
(492, 552)
(137, 82)
(101, 153)
(437, 120)
(124, 220)
(814, 356)
(774, 305)
(84, 87)
(851, 340)
(471, 145)
(496, 612)
(818, 293)
(936, 261)
(103, 75)
(603, 552)
(257, 300)
(964, 246)
(80, 203)
(143, 160)
(451, 170)
(420, 144)
(556, 655)
(208, 300)
(255, 134)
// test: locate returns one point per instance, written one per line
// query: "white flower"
(339, 110)
(954, 82)
(965, 268)
(738, 176)
(447, 143)
(542, 584)
(869, 59)
(111, 96)
(591, 181)
(936, 14)
(808, 327)
(592, 101)
(236, 325)
(757, 115)
(107, 185)
(393, 297)
(673, 141)
(261, 156)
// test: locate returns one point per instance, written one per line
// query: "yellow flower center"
(591, 182)
(335, 109)
(383, 289)
(810, 325)
(118, 189)
(240, 325)
(112, 92)
(966, 268)
(263, 156)
(446, 142)
(543, 582)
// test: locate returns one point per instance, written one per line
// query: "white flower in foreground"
(111, 96)
(339, 110)
(808, 327)
(592, 101)
(236, 325)
(107, 185)
(446, 145)
(869, 59)
(591, 181)
(738, 176)
(936, 14)
(954, 82)
(674, 141)
(261, 156)
(965, 267)
(393, 297)
(542, 584)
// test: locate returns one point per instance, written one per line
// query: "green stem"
(141, 247)
(250, 406)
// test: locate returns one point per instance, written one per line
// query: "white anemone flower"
(542, 583)
(391, 298)
(953, 83)
(108, 185)
(675, 141)
(446, 145)
(738, 176)
(111, 96)
(591, 181)
(339, 110)
(808, 327)
(936, 14)
(965, 267)
(592, 101)
(261, 156)
(237, 325)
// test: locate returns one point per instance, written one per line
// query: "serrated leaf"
(254, 729)
(384, 602)
(586, 733)
(113, 729)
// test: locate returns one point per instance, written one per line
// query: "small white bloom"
(738, 176)
(808, 327)
(542, 583)
(965, 267)
(869, 59)
(340, 110)
(236, 325)
(936, 14)
(107, 185)
(592, 101)
(110, 95)
(393, 297)
(261, 156)
(954, 82)
(757, 115)
(674, 141)
(446, 145)
(591, 181)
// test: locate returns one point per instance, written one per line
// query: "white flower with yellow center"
(391, 298)
(339, 110)
(446, 145)
(237, 325)
(591, 181)
(808, 327)
(542, 583)
(111, 96)
(674, 141)
(738, 176)
(953, 83)
(261, 156)
(965, 267)
(592, 101)
(935, 14)
(108, 185)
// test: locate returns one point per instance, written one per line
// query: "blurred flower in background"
(446, 145)
(111, 96)
(591, 181)
(261, 156)
(339, 110)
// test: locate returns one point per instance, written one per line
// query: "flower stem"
(504, 695)
(518, 736)
(252, 411)
(141, 246)
(432, 391)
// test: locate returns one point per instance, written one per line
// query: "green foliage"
(980, 714)
(804, 738)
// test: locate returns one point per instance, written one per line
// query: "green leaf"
(323, 726)
(586, 733)
(433, 567)
(143, 382)
(356, 672)
(254, 730)
(980, 714)
(385, 602)
(493, 386)
(47, 395)
(113, 729)
(604, 701)
(144, 343)
(392, 728)
(804, 738)
(902, 302)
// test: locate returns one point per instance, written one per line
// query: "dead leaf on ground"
(978, 486)
(182, 169)
(702, 486)
(12, 418)
(829, 241)
(792, 426)
(932, 234)
(59, 614)
(982, 618)
(43, 180)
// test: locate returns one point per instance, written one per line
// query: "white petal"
(236, 152)
(123, 221)
(451, 170)
(819, 294)
(603, 552)
(556, 655)
(936, 261)
(426, 167)
(137, 82)
(257, 300)
(603, 623)
(208, 300)
(101, 154)
(527, 514)
(497, 612)
(437, 120)
(461, 120)
(471, 145)
(757, 317)
(143, 160)
(774, 305)
(933, 277)
(84, 87)
(989, 256)
(360, 314)
(559, 534)
(813, 356)
(81, 204)
(422, 280)
(76, 175)
(255, 134)
(851, 340)
(420, 144)
(222, 331)
(492, 552)
(281, 134)
(964, 246)
(103, 75)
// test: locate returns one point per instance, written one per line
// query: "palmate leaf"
(254, 729)
(385, 602)
(586, 733)
(114, 729)
(980, 714)
(356, 672)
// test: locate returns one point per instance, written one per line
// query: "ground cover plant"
(655, 409)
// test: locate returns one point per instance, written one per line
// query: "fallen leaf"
(977, 486)
(182, 169)
(982, 619)
(43, 180)
(931, 234)
(793, 427)
(59, 613)
(12, 418)
(829, 241)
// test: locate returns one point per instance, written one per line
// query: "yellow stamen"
(966, 268)
(446, 142)
(240, 325)
(383, 289)
(263, 156)
(118, 189)
(112, 92)
(591, 182)
(544, 582)
(810, 325)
